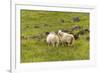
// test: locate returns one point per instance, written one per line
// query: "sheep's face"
(60, 33)
(46, 33)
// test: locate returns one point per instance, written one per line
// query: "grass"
(36, 23)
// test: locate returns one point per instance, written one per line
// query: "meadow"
(34, 24)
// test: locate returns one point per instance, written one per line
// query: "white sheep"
(52, 39)
(66, 38)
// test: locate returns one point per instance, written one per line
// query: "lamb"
(52, 39)
(66, 38)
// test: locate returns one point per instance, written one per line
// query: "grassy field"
(34, 48)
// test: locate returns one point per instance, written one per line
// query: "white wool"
(66, 37)
(53, 39)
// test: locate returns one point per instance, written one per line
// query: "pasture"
(34, 24)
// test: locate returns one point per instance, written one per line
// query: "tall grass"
(34, 23)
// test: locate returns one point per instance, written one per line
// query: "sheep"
(52, 39)
(66, 38)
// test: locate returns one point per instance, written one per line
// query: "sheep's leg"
(68, 44)
(71, 44)
(49, 44)
(57, 44)
(53, 44)
(62, 44)
(72, 41)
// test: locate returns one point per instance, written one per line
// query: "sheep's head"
(60, 33)
(46, 33)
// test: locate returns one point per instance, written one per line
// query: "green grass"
(36, 50)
